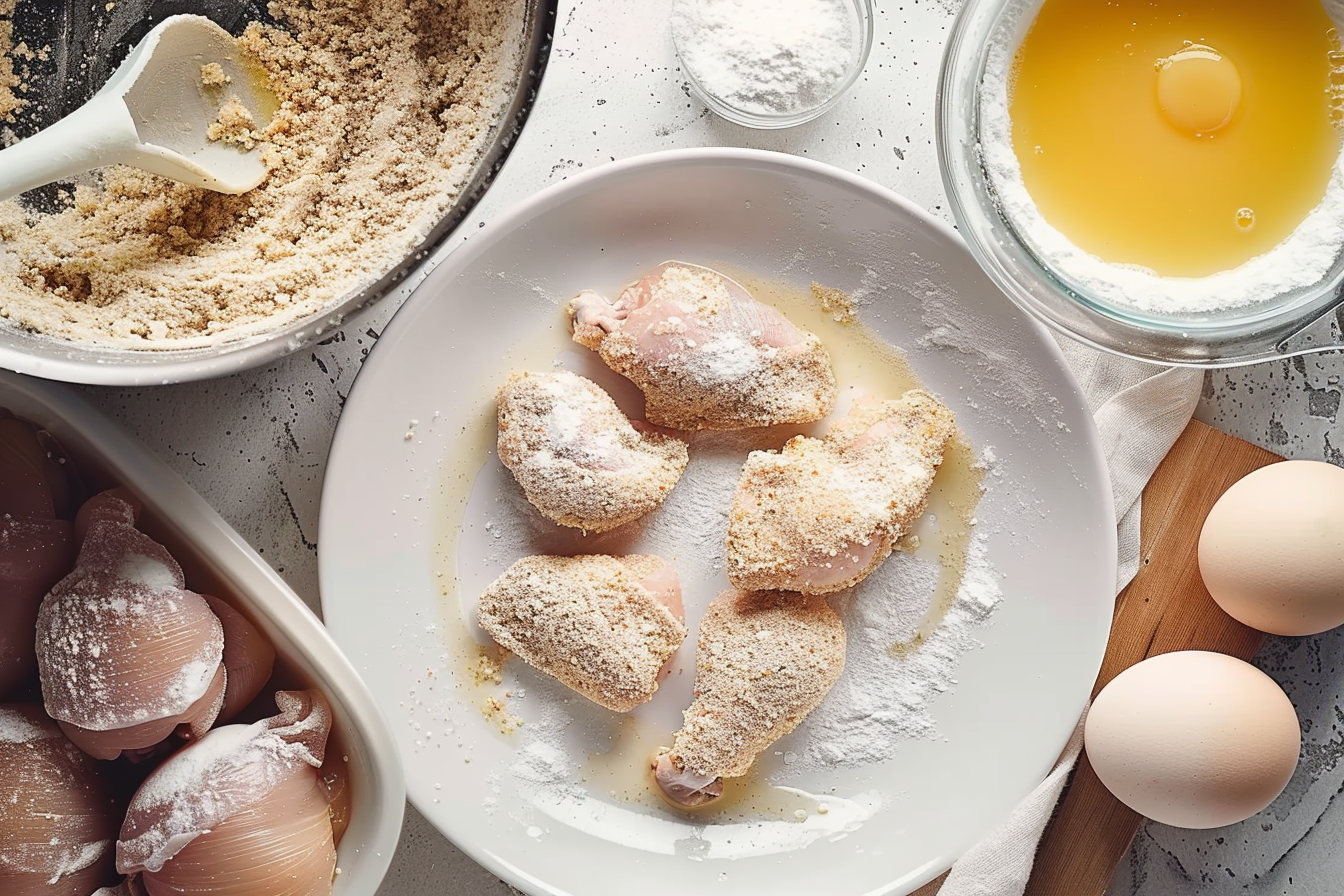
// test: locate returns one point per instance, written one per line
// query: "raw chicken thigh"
(821, 514)
(579, 460)
(241, 812)
(58, 810)
(602, 625)
(763, 661)
(126, 654)
(37, 544)
(705, 353)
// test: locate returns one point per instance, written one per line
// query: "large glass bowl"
(84, 42)
(1293, 322)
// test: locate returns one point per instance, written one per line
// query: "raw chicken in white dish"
(579, 460)
(821, 514)
(705, 353)
(127, 655)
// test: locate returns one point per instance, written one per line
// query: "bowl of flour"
(1282, 302)
(390, 124)
(771, 63)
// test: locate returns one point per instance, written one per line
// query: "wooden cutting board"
(1165, 608)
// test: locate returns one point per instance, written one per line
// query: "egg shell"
(1272, 548)
(1193, 739)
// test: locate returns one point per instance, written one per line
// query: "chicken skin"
(578, 459)
(763, 661)
(602, 625)
(37, 543)
(127, 655)
(705, 353)
(821, 514)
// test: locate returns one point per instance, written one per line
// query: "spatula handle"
(101, 132)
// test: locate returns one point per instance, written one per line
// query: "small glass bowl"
(862, 31)
(1293, 322)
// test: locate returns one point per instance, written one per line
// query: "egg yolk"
(1198, 90)
(1184, 136)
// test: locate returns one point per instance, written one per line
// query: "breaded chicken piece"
(579, 460)
(821, 514)
(763, 661)
(705, 353)
(602, 625)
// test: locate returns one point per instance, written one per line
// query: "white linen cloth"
(1139, 410)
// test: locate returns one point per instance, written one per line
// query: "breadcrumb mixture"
(763, 661)
(9, 81)
(837, 303)
(496, 712)
(385, 106)
(586, 620)
(489, 665)
(235, 125)
(212, 75)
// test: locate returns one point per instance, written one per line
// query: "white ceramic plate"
(417, 517)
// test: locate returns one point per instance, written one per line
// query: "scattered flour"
(16, 728)
(884, 695)
(1299, 262)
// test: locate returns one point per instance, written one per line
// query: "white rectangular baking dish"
(218, 561)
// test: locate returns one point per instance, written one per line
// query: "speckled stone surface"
(255, 444)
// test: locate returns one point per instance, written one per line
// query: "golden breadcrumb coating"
(763, 661)
(588, 621)
(821, 514)
(576, 456)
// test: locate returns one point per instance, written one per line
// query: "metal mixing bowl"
(1293, 322)
(86, 43)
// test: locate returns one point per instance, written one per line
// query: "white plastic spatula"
(153, 114)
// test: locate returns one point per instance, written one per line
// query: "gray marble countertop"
(255, 444)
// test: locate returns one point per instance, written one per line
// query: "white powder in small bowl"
(767, 57)
(1301, 261)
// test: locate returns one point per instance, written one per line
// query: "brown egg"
(1271, 551)
(241, 812)
(126, 654)
(58, 817)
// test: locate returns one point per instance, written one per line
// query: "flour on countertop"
(1300, 261)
